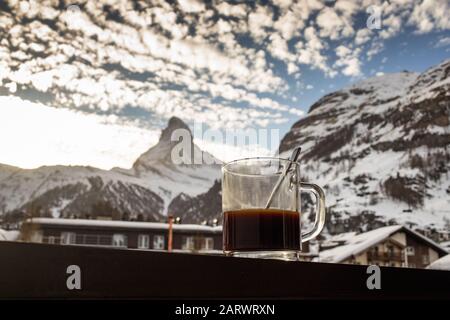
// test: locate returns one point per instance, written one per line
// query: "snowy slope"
(380, 148)
(146, 189)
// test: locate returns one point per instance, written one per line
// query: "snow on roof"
(445, 245)
(441, 264)
(360, 242)
(357, 244)
(339, 239)
(122, 224)
(6, 235)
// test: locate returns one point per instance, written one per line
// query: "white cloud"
(289, 24)
(333, 25)
(258, 20)
(362, 36)
(45, 136)
(238, 10)
(430, 14)
(292, 68)
(391, 26)
(375, 48)
(348, 60)
(278, 47)
(297, 112)
(310, 51)
(192, 5)
(443, 42)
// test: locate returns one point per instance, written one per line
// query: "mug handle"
(319, 221)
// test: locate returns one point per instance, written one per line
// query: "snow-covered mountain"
(204, 207)
(380, 148)
(143, 192)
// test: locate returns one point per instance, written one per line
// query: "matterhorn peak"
(174, 123)
(162, 152)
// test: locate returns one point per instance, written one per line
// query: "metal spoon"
(293, 158)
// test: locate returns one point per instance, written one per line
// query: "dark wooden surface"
(39, 271)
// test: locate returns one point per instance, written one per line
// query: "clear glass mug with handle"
(261, 208)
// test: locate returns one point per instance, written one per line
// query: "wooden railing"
(385, 256)
(30, 270)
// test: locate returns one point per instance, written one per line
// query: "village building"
(394, 246)
(123, 234)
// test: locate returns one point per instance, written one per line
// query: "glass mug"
(254, 228)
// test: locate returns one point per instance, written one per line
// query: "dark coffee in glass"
(261, 229)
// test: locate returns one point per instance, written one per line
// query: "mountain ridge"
(380, 148)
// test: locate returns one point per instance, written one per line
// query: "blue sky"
(124, 69)
(407, 51)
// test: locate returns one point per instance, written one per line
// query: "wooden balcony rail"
(385, 256)
(124, 273)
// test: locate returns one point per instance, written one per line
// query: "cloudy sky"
(93, 82)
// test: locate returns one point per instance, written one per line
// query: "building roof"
(355, 244)
(441, 264)
(445, 245)
(6, 235)
(436, 246)
(121, 224)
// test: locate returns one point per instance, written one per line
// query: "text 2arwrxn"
(259, 309)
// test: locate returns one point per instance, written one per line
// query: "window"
(412, 265)
(37, 236)
(51, 239)
(208, 243)
(390, 249)
(119, 240)
(425, 259)
(188, 243)
(143, 241)
(410, 251)
(68, 238)
(158, 242)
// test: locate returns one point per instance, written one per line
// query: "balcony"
(82, 239)
(385, 256)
